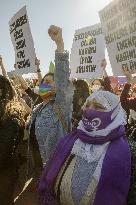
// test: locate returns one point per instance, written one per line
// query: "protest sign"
(23, 43)
(88, 50)
(118, 21)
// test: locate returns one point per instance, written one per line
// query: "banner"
(88, 50)
(23, 43)
(118, 21)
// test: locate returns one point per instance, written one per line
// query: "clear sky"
(68, 14)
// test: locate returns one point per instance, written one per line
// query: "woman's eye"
(99, 107)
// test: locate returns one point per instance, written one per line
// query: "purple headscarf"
(114, 181)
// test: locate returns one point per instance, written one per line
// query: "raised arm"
(56, 35)
(36, 98)
(37, 63)
(4, 73)
(107, 82)
(103, 67)
(64, 93)
(127, 103)
(26, 107)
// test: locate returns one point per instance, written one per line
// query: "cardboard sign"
(23, 43)
(88, 50)
(118, 21)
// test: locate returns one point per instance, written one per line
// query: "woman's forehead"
(96, 82)
(48, 77)
(93, 101)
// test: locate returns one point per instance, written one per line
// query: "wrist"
(60, 46)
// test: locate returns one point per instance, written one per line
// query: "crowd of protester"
(75, 140)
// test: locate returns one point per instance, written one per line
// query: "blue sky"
(68, 14)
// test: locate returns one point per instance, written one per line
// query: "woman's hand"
(56, 35)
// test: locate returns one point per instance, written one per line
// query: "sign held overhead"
(23, 43)
(88, 50)
(118, 21)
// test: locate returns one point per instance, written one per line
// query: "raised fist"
(55, 33)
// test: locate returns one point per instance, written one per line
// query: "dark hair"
(81, 92)
(82, 87)
(48, 74)
(81, 84)
(9, 104)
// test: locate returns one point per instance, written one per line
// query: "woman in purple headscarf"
(91, 165)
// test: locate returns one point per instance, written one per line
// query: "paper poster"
(23, 43)
(88, 50)
(118, 21)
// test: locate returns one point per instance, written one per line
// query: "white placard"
(88, 50)
(23, 43)
(118, 21)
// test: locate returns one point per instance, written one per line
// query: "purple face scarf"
(97, 120)
(114, 182)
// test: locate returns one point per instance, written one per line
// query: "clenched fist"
(56, 35)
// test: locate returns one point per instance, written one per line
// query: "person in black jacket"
(81, 93)
(11, 132)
